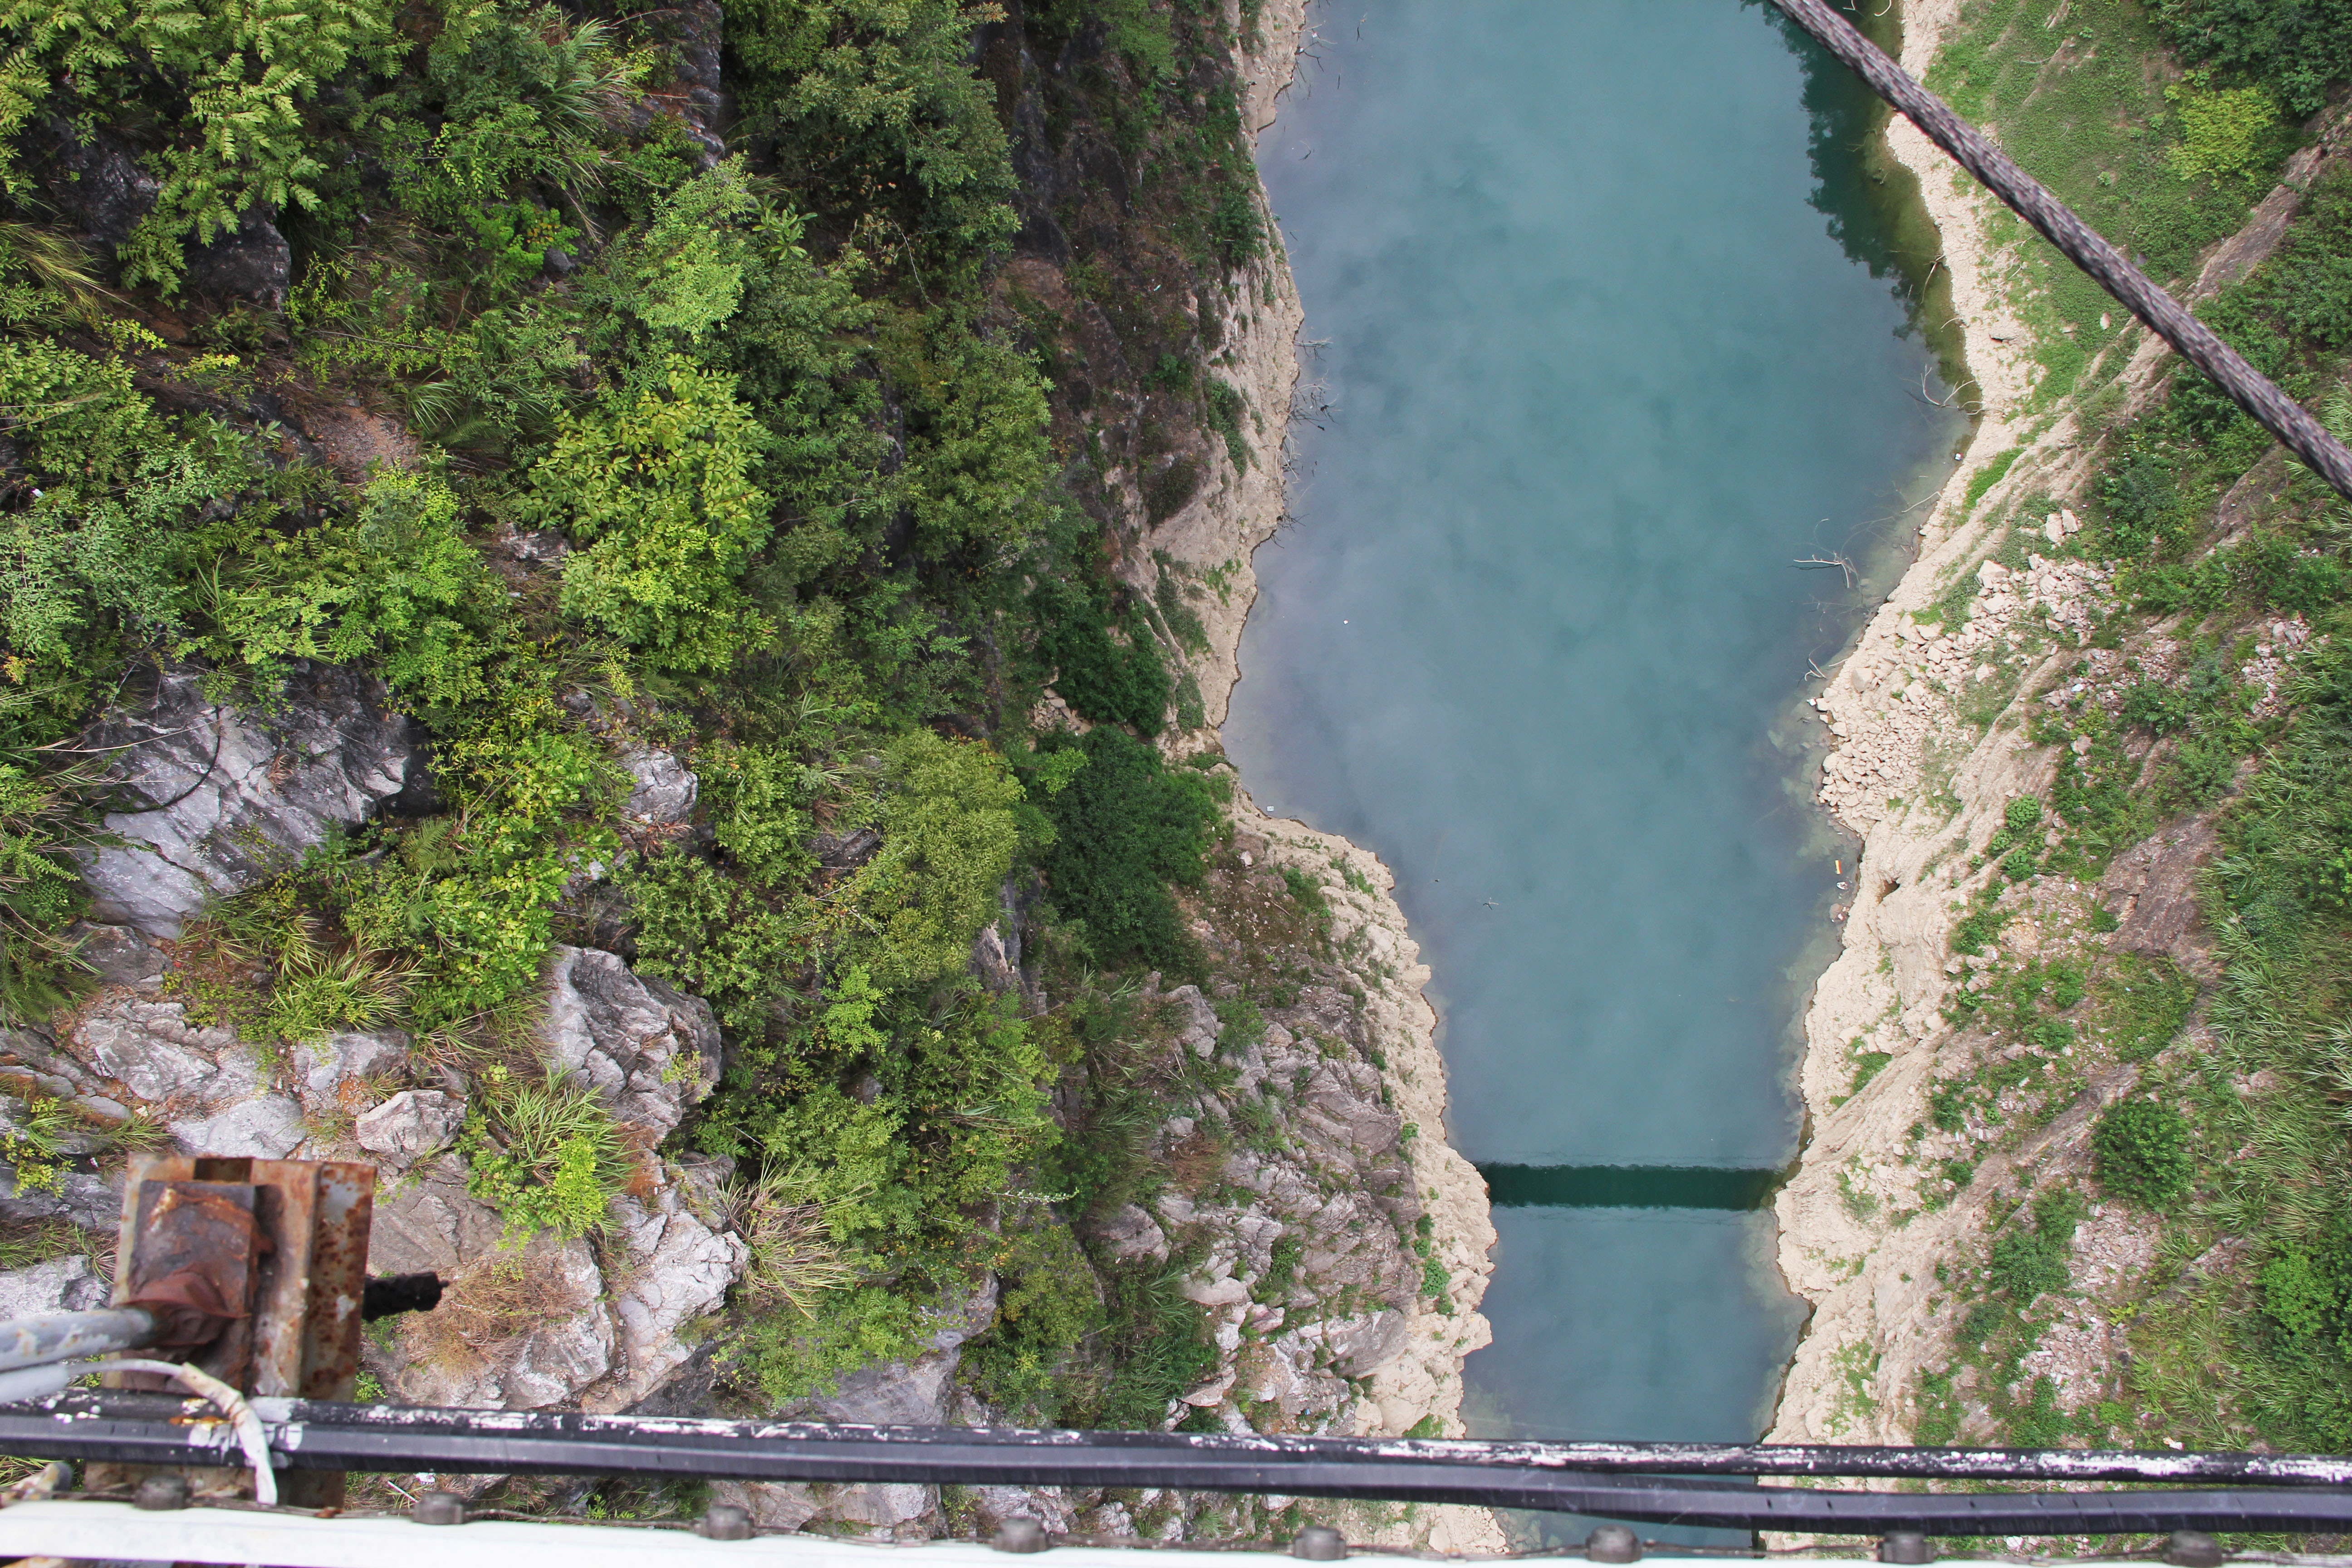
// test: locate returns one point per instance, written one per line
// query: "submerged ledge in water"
(1629, 1186)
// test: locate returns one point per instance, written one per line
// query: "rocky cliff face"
(549, 1323)
(1337, 1245)
(218, 797)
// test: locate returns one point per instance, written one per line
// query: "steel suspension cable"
(1973, 151)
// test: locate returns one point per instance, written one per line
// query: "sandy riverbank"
(1926, 786)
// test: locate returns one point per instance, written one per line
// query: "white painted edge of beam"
(117, 1532)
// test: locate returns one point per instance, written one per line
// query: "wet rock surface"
(251, 263)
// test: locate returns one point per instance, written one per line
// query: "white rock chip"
(666, 789)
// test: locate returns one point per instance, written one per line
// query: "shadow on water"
(1629, 1187)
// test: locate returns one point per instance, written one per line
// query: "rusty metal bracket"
(257, 1271)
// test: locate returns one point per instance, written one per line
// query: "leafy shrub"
(1050, 1306)
(512, 96)
(1975, 931)
(711, 935)
(659, 486)
(2297, 49)
(2156, 705)
(875, 110)
(113, 482)
(2032, 1260)
(235, 75)
(397, 584)
(1125, 827)
(755, 797)
(1115, 679)
(790, 1354)
(947, 838)
(2307, 1289)
(976, 454)
(2141, 1152)
(2224, 130)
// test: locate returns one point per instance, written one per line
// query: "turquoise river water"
(1609, 330)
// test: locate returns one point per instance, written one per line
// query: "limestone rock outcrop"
(67, 1284)
(650, 1051)
(233, 796)
(676, 1268)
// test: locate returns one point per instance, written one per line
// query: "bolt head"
(1318, 1543)
(439, 1507)
(726, 1521)
(161, 1494)
(1905, 1546)
(1021, 1534)
(1613, 1543)
(2193, 1548)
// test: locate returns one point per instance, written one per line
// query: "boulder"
(884, 1507)
(96, 185)
(29, 1064)
(701, 27)
(1198, 1026)
(845, 851)
(251, 262)
(675, 1269)
(266, 1127)
(664, 791)
(410, 1126)
(152, 1049)
(772, 1505)
(67, 1284)
(1357, 1345)
(888, 1394)
(518, 1330)
(561, 1356)
(881, 1505)
(916, 1393)
(1049, 1506)
(1287, 1378)
(430, 1223)
(123, 955)
(1129, 1233)
(231, 796)
(648, 1050)
(339, 1073)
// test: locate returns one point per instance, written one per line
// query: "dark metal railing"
(1658, 1483)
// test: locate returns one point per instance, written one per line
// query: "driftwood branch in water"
(1838, 563)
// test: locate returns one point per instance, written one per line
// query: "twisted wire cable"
(2195, 341)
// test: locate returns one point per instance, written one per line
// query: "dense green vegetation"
(832, 512)
(2223, 1138)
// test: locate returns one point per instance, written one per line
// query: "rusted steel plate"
(330, 1357)
(285, 1195)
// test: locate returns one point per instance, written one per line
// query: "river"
(1604, 314)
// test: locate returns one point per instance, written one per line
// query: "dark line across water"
(1629, 1187)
